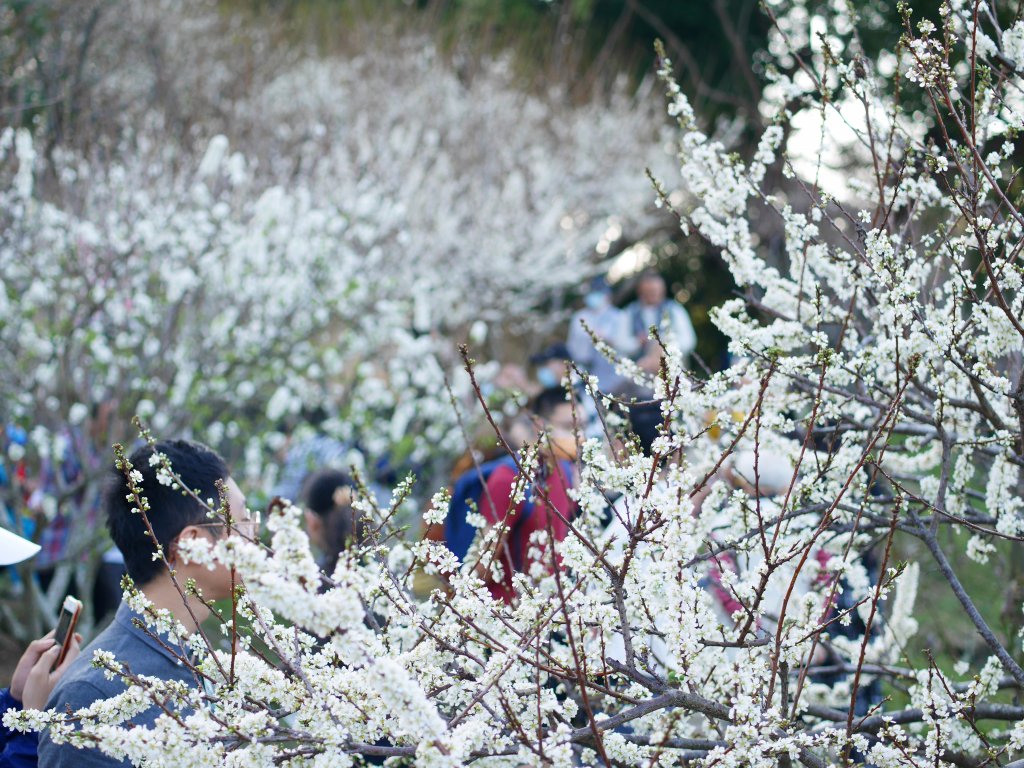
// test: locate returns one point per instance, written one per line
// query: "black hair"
(170, 510)
(547, 400)
(320, 495)
(645, 420)
(650, 274)
(558, 351)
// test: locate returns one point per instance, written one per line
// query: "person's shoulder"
(140, 650)
(83, 682)
(113, 638)
(495, 501)
(503, 472)
(78, 693)
(81, 685)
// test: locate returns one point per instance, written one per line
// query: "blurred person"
(306, 449)
(34, 677)
(63, 471)
(552, 366)
(333, 525)
(546, 506)
(175, 518)
(331, 521)
(50, 480)
(763, 487)
(468, 481)
(653, 308)
(645, 423)
(610, 325)
(511, 376)
(628, 528)
(549, 366)
(505, 393)
(772, 479)
(31, 684)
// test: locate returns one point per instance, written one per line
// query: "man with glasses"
(175, 517)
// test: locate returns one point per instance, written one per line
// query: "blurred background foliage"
(575, 50)
(578, 50)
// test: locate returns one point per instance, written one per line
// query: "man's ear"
(187, 533)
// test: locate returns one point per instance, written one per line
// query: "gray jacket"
(83, 684)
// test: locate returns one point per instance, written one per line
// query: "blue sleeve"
(19, 749)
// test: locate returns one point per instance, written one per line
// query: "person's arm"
(19, 749)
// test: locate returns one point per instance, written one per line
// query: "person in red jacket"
(547, 506)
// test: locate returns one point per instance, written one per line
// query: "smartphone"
(65, 633)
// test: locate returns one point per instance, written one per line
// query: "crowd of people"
(313, 473)
(500, 521)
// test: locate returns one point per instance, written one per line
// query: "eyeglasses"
(250, 526)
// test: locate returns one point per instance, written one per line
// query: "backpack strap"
(469, 489)
(636, 313)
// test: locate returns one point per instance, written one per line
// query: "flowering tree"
(362, 213)
(731, 615)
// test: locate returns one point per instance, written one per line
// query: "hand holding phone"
(38, 671)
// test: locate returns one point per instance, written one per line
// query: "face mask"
(547, 378)
(595, 300)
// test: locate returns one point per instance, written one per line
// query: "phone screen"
(67, 618)
(66, 626)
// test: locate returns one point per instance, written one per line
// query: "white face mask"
(596, 300)
(547, 378)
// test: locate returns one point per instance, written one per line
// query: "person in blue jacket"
(32, 681)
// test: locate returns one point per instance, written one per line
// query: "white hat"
(14, 549)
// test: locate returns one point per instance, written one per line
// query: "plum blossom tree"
(729, 616)
(359, 213)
